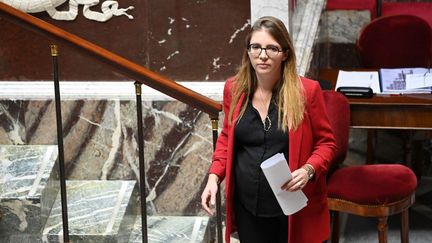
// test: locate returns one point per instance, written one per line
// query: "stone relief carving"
(109, 8)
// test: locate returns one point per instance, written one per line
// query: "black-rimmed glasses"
(256, 49)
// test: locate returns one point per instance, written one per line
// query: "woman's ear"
(285, 56)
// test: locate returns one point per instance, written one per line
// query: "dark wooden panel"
(392, 117)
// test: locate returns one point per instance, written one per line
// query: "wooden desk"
(410, 112)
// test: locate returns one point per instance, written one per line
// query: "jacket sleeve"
(324, 144)
(220, 154)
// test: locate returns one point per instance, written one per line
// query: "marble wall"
(183, 40)
(336, 42)
(100, 141)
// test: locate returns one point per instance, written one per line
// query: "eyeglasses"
(256, 49)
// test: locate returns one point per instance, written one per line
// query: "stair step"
(28, 187)
(173, 229)
(98, 211)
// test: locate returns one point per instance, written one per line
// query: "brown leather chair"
(378, 190)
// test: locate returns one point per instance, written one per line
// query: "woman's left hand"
(299, 180)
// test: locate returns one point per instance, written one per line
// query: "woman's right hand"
(208, 197)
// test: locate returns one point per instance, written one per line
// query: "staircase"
(98, 210)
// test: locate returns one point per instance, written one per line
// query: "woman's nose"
(263, 54)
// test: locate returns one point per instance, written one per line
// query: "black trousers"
(253, 229)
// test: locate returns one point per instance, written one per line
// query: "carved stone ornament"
(109, 8)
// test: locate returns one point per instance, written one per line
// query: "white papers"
(388, 80)
(406, 80)
(418, 81)
(277, 172)
(368, 79)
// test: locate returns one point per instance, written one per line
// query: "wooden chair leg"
(382, 229)
(405, 226)
(336, 227)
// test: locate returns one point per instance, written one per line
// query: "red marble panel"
(197, 39)
(181, 39)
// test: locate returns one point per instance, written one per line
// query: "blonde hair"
(290, 98)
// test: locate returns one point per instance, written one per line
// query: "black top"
(253, 145)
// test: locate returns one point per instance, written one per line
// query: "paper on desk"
(404, 80)
(418, 81)
(277, 172)
(359, 79)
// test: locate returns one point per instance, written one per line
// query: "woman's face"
(266, 62)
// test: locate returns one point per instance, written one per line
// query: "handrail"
(121, 64)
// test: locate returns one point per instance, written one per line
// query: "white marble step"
(98, 211)
(173, 229)
(28, 187)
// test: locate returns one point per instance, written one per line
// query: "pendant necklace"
(266, 121)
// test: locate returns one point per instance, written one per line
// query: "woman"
(269, 109)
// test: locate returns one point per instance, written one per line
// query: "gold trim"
(215, 124)
(138, 88)
(54, 50)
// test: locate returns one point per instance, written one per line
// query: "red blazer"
(312, 142)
